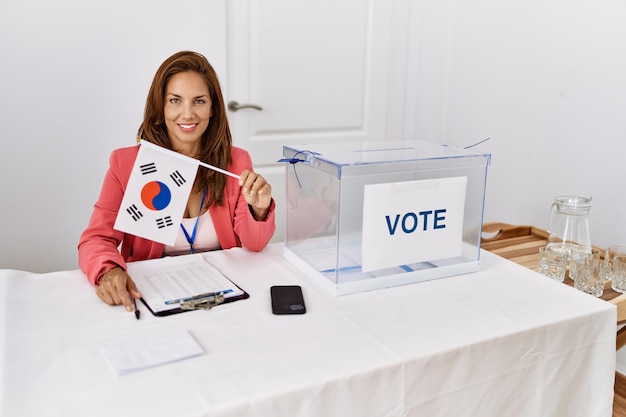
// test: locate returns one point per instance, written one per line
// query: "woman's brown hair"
(216, 143)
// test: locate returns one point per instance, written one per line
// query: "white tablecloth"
(501, 342)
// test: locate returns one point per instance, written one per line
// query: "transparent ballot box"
(362, 216)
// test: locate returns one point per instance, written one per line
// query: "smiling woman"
(185, 113)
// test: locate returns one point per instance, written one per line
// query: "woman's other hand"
(257, 192)
(116, 287)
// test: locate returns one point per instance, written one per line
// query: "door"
(306, 72)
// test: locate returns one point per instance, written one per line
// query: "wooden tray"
(521, 244)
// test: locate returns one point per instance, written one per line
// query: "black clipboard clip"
(203, 301)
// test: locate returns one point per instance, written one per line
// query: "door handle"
(234, 106)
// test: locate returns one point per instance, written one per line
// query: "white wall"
(73, 79)
(545, 80)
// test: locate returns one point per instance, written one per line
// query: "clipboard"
(176, 284)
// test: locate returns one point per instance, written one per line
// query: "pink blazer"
(98, 246)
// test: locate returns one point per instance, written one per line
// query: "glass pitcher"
(569, 223)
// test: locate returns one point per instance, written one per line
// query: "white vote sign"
(413, 221)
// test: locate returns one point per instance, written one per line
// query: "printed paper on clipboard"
(164, 283)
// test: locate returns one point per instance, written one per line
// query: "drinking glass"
(618, 275)
(552, 262)
(577, 253)
(585, 267)
(611, 252)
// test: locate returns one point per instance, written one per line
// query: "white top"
(206, 237)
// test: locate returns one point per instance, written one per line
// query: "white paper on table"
(141, 350)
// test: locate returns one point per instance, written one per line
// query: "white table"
(501, 342)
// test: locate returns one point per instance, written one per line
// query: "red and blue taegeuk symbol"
(155, 195)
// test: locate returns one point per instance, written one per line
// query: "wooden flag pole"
(183, 157)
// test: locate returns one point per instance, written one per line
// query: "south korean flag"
(156, 195)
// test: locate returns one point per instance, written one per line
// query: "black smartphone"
(287, 299)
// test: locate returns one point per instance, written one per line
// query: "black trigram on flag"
(148, 168)
(164, 222)
(177, 178)
(134, 212)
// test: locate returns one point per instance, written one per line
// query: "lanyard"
(192, 238)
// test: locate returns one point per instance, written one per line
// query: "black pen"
(137, 312)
